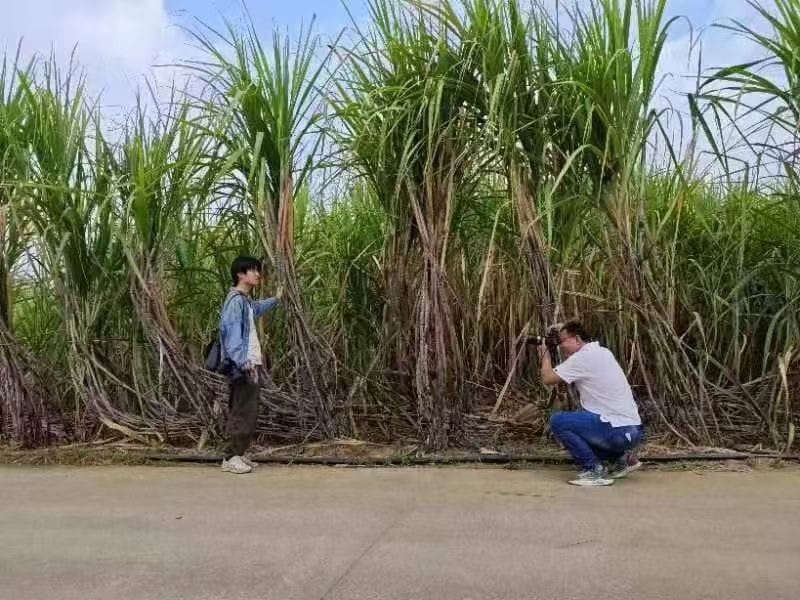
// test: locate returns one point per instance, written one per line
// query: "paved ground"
(192, 532)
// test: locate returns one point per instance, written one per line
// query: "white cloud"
(117, 42)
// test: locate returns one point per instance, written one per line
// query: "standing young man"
(241, 349)
(609, 427)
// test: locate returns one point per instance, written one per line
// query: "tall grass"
(494, 174)
(21, 389)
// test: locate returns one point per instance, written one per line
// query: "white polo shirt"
(601, 384)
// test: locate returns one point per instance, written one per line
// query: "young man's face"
(568, 343)
(252, 277)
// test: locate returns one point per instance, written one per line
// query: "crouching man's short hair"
(576, 328)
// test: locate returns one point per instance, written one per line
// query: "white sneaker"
(595, 477)
(249, 463)
(236, 465)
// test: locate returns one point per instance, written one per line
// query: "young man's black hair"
(241, 265)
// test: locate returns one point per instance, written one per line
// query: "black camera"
(550, 339)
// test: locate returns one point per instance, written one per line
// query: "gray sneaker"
(236, 465)
(627, 464)
(593, 477)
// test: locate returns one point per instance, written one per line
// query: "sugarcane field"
(355, 299)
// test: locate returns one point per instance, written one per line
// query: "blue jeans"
(591, 441)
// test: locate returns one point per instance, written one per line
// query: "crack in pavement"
(576, 543)
(358, 559)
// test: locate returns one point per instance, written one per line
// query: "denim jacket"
(234, 325)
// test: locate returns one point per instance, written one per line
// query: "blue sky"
(331, 15)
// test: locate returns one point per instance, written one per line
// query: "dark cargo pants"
(243, 415)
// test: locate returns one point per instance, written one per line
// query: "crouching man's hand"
(549, 376)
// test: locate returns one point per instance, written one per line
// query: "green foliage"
(460, 131)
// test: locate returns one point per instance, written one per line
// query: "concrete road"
(192, 532)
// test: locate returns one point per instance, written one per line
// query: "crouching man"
(609, 427)
(241, 352)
